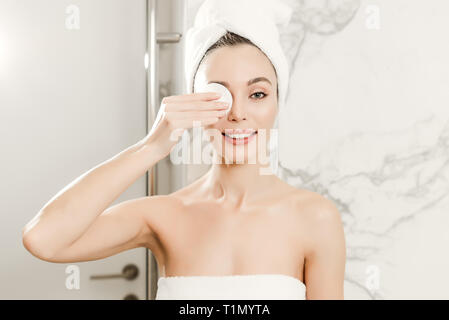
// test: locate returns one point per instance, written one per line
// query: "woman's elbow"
(31, 243)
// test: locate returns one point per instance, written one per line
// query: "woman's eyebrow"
(250, 82)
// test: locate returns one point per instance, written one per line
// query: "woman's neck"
(238, 184)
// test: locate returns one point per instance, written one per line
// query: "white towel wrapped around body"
(231, 287)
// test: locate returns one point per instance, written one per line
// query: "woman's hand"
(177, 113)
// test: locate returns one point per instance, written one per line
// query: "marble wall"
(368, 111)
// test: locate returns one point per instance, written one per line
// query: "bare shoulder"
(154, 210)
(315, 214)
(158, 211)
(300, 200)
(322, 221)
(159, 205)
(319, 209)
(165, 208)
(309, 205)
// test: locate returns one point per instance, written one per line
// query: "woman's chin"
(239, 159)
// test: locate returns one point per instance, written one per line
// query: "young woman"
(233, 230)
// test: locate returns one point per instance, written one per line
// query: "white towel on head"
(256, 20)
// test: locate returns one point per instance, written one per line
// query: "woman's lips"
(241, 141)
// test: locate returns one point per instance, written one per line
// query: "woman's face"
(248, 74)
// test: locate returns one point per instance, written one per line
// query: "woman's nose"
(237, 112)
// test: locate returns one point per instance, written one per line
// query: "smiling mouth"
(239, 136)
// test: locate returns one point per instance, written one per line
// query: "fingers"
(196, 105)
(193, 115)
(206, 96)
(181, 111)
(204, 122)
(187, 119)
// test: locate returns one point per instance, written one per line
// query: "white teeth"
(239, 135)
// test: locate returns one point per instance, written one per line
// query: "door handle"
(129, 272)
(168, 37)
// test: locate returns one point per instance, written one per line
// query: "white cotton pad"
(226, 96)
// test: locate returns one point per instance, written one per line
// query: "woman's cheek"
(266, 115)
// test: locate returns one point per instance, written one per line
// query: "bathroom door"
(72, 95)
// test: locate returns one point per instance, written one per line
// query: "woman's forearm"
(72, 210)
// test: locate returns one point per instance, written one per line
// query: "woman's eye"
(260, 92)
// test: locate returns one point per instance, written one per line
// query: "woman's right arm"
(77, 225)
